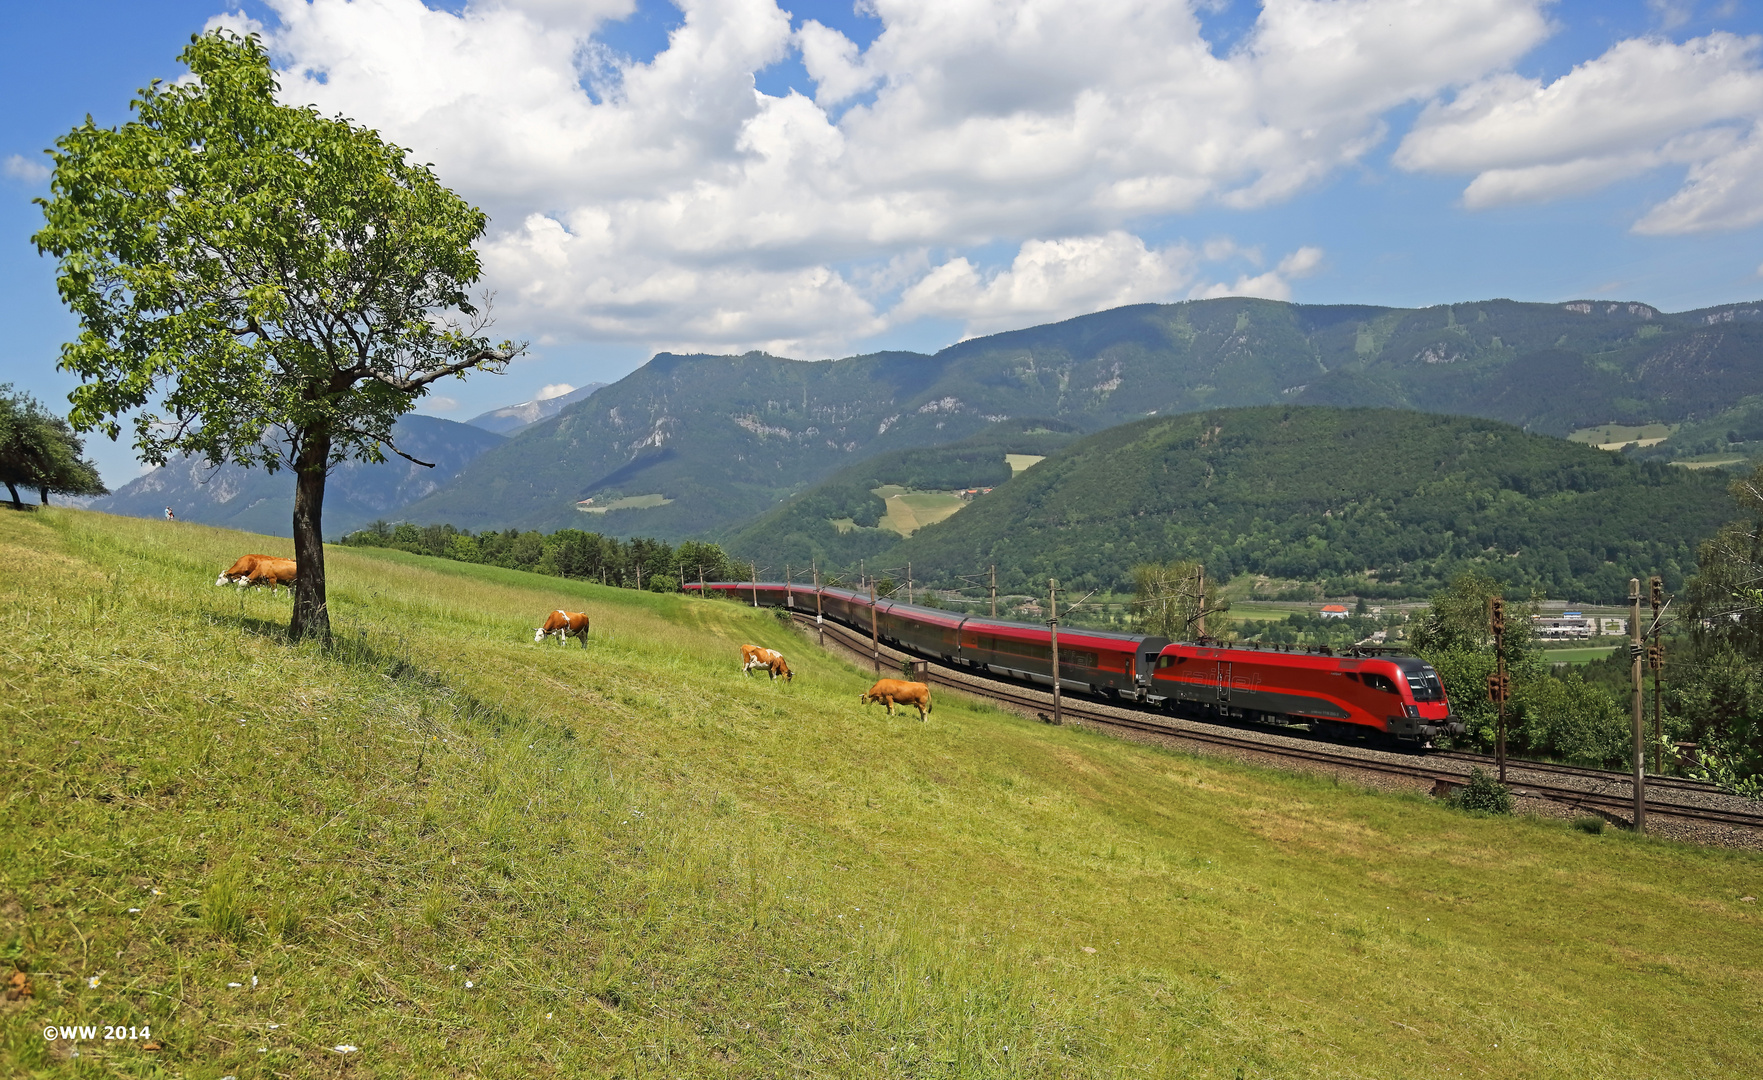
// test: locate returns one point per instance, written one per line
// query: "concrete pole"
(819, 621)
(755, 568)
(994, 590)
(1053, 621)
(874, 633)
(1640, 757)
(1200, 600)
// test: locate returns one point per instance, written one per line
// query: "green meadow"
(453, 852)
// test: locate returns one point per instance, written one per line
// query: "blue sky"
(817, 181)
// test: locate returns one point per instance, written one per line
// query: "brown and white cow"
(564, 625)
(258, 571)
(758, 656)
(889, 691)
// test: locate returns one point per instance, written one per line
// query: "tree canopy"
(258, 284)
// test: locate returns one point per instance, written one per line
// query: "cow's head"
(539, 635)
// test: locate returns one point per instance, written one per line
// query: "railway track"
(1616, 805)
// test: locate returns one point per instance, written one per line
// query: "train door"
(1223, 681)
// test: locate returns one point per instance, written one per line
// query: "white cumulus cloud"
(1643, 104)
(668, 201)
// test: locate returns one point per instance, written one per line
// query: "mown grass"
(468, 855)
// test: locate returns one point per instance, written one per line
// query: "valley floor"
(438, 849)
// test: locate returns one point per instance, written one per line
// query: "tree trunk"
(43, 493)
(17, 503)
(312, 618)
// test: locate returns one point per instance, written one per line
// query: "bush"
(1482, 793)
(1592, 825)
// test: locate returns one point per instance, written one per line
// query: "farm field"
(1616, 436)
(458, 853)
(629, 502)
(1583, 655)
(910, 511)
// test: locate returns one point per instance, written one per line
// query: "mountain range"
(700, 445)
(512, 418)
(257, 501)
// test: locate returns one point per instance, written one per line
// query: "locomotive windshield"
(1424, 682)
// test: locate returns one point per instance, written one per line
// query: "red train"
(1341, 696)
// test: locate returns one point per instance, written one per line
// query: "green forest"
(1370, 502)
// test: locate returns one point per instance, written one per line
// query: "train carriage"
(1094, 661)
(930, 632)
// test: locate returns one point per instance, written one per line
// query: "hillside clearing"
(466, 854)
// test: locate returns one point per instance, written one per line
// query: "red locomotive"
(1339, 696)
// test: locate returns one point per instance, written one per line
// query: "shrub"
(1592, 825)
(1482, 793)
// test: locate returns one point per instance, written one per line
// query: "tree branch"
(466, 364)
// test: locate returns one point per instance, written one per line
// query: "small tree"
(1169, 604)
(286, 285)
(40, 450)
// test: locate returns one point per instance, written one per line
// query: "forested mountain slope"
(840, 520)
(1377, 501)
(258, 501)
(725, 438)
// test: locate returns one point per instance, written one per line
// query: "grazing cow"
(889, 691)
(758, 656)
(260, 570)
(565, 625)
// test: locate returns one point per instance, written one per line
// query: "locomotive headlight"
(1413, 711)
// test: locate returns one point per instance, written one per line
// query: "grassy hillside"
(728, 438)
(462, 854)
(1375, 501)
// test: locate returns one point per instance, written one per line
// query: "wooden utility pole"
(994, 590)
(1640, 757)
(819, 621)
(874, 633)
(755, 568)
(1053, 621)
(1656, 661)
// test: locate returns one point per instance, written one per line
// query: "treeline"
(651, 565)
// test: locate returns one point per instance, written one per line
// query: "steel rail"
(985, 686)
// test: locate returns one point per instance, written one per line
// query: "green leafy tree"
(258, 283)
(1725, 601)
(1170, 605)
(40, 450)
(1454, 637)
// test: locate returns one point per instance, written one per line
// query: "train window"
(1165, 661)
(1424, 682)
(1077, 659)
(1379, 682)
